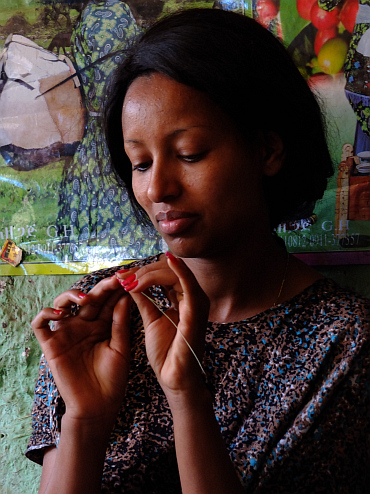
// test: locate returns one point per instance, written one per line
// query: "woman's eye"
(192, 158)
(141, 167)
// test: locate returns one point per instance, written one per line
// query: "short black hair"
(249, 74)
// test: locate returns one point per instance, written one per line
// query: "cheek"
(139, 189)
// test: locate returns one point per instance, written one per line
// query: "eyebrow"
(131, 141)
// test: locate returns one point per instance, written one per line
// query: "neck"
(244, 283)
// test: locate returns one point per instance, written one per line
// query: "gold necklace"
(283, 282)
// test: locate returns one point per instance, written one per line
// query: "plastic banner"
(59, 202)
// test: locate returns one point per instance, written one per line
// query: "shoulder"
(339, 312)
(324, 331)
(334, 325)
(325, 299)
(329, 301)
(86, 283)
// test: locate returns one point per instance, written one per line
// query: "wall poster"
(58, 200)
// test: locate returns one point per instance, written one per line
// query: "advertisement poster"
(330, 43)
(59, 201)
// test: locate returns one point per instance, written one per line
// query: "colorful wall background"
(70, 217)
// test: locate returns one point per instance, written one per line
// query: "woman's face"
(192, 172)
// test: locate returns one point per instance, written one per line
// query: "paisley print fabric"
(94, 211)
(292, 399)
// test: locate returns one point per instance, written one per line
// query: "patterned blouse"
(292, 399)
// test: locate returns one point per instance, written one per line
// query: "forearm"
(202, 457)
(79, 459)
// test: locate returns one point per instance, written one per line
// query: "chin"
(193, 250)
(182, 248)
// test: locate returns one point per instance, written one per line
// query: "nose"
(165, 180)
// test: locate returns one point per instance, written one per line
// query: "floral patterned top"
(292, 399)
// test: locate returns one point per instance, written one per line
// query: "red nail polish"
(171, 257)
(128, 280)
(123, 270)
(57, 312)
(82, 295)
(131, 286)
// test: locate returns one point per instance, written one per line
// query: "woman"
(249, 374)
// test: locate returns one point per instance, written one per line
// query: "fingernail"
(128, 280)
(171, 256)
(82, 295)
(131, 286)
(123, 271)
(57, 312)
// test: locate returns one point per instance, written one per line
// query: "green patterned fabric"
(328, 5)
(94, 210)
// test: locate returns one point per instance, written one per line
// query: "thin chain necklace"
(283, 282)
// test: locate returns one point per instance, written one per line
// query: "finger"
(100, 300)
(124, 274)
(156, 273)
(153, 266)
(68, 298)
(40, 324)
(149, 310)
(162, 277)
(140, 281)
(194, 307)
(188, 284)
(120, 339)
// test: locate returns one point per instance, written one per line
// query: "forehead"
(158, 97)
(155, 87)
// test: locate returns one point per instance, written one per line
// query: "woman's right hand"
(88, 353)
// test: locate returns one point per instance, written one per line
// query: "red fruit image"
(319, 81)
(304, 8)
(323, 36)
(322, 19)
(348, 14)
(266, 10)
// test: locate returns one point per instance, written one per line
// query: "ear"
(274, 153)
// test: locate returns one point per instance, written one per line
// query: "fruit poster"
(59, 202)
(329, 41)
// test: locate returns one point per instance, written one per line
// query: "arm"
(47, 467)
(88, 355)
(76, 465)
(202, 457)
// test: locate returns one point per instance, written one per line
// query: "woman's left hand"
(175, 366)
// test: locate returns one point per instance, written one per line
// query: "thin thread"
(186, 341)
(283, 282)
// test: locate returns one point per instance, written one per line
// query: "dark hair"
(248, 73)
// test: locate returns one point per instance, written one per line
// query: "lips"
(172, 215)
(175, 222)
